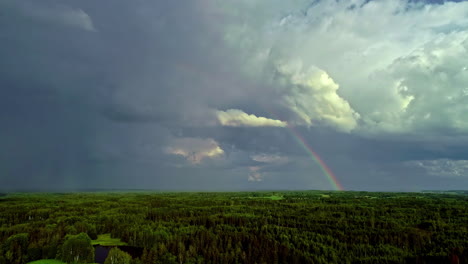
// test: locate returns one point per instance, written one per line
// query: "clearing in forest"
(107, 240)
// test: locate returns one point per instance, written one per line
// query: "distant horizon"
(71, 190)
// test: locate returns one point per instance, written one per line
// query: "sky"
(234, 95)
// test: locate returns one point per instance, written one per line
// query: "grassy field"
(107, 240)
(275, 197)
(47, 261)
(271, 197)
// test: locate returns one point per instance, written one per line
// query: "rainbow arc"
(316, 158)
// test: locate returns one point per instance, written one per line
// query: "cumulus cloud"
(442, 167)
(238, 118)
(195, 150)
(255, 175)
(430, 91)
(400, 65)
(312, 95)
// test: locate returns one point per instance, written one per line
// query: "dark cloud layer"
(94, 94)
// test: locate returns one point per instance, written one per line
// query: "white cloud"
(257, 173)
(195, 150)
(311, 94)
(74, 17)
(77, 18)
(238, 118)
(269, 158)
(442, 167)
(254, 174)
(400, 65)
(431, 88)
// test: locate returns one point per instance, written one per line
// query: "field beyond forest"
(237, 227)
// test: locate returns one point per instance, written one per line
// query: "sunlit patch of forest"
(234, 227)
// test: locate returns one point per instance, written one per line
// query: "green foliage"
(117, 256)
(271, 197)
(77, 249)
(47, 261)
(107, 240)
(15, 248)
(246, 227)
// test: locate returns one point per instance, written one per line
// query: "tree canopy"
(77, 249)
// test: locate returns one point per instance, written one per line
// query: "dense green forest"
(235, 227)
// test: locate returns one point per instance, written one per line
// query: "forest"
(234, 227)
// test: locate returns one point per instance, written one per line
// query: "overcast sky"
(233, 94)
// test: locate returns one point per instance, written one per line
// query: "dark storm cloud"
(45, 122)
(85, 85)
(93, 93)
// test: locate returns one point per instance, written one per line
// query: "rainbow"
(300, 140)
(315, 157)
